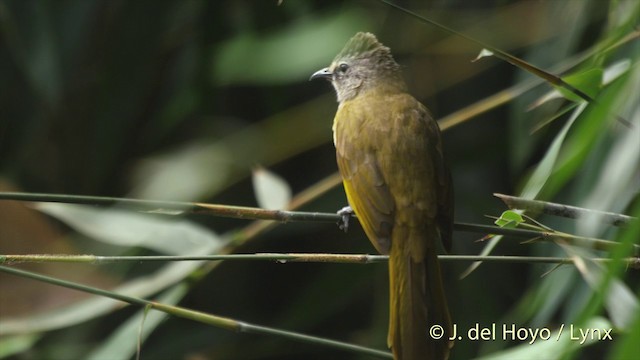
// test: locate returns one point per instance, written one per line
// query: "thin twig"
(536, 235)
(245, 212)
(632, 262)
(573, 212)
(173, 207)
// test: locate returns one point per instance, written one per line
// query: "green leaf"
(594, 128)
(589, 82)
(12, 345)
(509, 219)
(619, 300)
(546, 166)
(627, 347)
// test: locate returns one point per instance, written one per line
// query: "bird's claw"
(345, 214)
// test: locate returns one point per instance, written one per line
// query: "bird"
(389, 153)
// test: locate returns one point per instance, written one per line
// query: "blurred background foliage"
(182, 99)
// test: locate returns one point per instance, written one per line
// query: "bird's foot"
(345, 213)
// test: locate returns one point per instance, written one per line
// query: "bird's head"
(363, 64)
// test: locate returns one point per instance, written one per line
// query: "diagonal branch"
(573, 212)
(214, 320)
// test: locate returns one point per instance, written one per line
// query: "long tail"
(417, 302)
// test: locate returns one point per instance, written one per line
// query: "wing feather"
(393, 170)
(367, 191)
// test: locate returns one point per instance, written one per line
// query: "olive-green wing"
(364, 184)
(414, 169)
(392, 165)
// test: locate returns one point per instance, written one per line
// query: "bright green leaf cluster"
(509, 219)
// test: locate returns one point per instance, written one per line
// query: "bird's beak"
(322, 74)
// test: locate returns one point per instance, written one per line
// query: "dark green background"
(94, 93)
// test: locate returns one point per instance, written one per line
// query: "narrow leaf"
(545, 167)
(124, 228)
(619, 300)
(272, 191)
(589, 81)
(12, 345)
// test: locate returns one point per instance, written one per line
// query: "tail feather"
(417, 302)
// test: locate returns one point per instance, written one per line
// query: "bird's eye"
(343, 67)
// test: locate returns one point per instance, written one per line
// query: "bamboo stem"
(572, 212)
(632, 262)
(245, 212)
